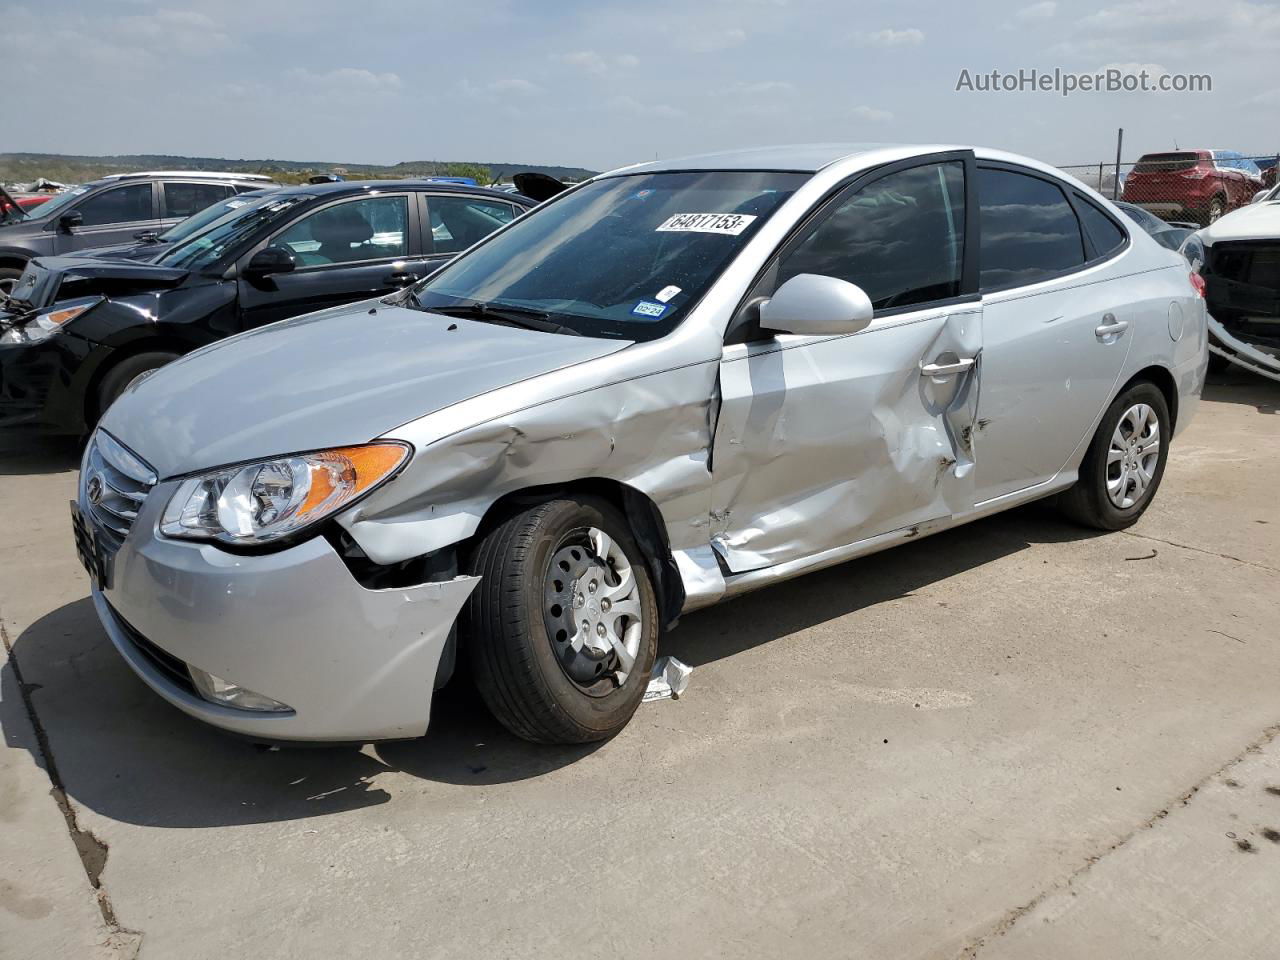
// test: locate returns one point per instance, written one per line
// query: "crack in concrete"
(1007, 922)
(1211, 553)
(91, 850)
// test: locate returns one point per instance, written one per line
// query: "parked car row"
(1195, 185)
(78, 329)
(661, 388)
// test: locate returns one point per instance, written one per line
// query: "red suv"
(1199, 185)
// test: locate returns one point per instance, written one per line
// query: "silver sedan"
(669, 385)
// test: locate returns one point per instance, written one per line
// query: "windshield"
(198, 221)
(228, 235)
(621, 257)
(55, 203)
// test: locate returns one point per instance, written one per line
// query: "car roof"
(352, 187)
(189, 174)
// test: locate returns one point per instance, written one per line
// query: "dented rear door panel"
(822, 442)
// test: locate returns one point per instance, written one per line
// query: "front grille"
(114, 483)
(1256, 263)
(173, 669)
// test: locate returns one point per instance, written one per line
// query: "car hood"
(49, 279)
(335, 378)
(1257, 221)
(125, 251)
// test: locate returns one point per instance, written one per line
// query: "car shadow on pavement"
(124, 753)
(20, 457)
(1240, 386)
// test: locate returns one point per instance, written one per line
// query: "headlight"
(257, 503)
(1193, 249)
(49, 322)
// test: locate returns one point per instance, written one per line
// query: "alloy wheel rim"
(591, 608)
(1133, 456)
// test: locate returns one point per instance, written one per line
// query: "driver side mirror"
(269, 261)
(69, 221)
(814, 305)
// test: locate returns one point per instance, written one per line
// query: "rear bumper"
(353, 664)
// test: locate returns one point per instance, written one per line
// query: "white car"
(1238, 257)
(661, 388)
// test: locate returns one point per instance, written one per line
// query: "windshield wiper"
(512, 316)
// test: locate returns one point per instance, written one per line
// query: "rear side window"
(1105, 234)
(118, 205)
(1166, 162)
(183, 199)
(1029, 231)
(900, 238)
(458, 222)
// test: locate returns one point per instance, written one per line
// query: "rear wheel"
(8, 279)
(127, 372)
(1125, 461)
(1217, 207)
(563, 626)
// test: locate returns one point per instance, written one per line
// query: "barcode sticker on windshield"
(731, 224)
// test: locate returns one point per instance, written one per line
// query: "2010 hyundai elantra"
(671, 384)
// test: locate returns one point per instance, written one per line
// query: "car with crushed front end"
(666, 386)
(75, 331)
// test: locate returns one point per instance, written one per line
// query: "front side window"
(900, 238)
(184, 199)
(1029, 231)
(372, 228)
(458, 222)
(621, 257)
(118, 205)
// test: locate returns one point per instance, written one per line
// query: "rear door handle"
(400, 279)
(1111, 327)
(946, 369)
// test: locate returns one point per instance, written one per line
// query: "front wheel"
(1125, 461)
(126, 373)
(563, 626)
(8, 280)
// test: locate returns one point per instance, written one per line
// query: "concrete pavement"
(961, 747)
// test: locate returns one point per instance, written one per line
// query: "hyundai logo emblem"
(93, 489)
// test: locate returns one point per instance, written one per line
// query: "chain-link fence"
(1191, 186)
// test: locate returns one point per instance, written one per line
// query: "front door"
(350, 250)
(110, 216)
(823, 441)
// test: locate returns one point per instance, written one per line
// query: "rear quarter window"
(1105, 234)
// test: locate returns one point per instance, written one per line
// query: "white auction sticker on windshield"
(730, 224)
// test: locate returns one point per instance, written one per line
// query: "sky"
(602, 84)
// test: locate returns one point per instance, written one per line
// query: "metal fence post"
(1115, 187)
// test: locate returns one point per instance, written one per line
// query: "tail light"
(1198, 172)
(1197, 282)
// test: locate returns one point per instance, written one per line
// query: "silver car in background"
(669, 385)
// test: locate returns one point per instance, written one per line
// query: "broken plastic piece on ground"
(668, 680)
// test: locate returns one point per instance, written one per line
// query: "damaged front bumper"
(1262, 359)
(349, 663)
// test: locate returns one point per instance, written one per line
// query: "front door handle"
(946, 369)
(1111, 327)
(400, 279)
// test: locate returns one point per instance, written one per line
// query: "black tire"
(1217, 208)
(8, 277)
(518, 667)
(124, 373)
(1088, 502)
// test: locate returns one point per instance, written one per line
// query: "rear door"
(110, 216)
(823, 441)
(1057, 318)
(180, 199)
(351, 249)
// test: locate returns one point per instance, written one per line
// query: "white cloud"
(871, 114)
(1038, 11)
(587, 60)
(909, 37)
(348, 79)
(1174, 29)
(633, 106)
(710, 41)
(762, 87)
(627, 60)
